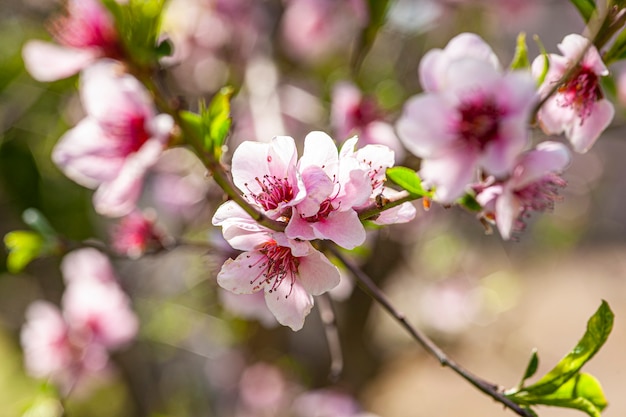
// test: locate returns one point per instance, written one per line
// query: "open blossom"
(578, 108)
(334, 187)
(85, 34)
(117, 142)
(289, 272)
(532, 186)
(472, 116)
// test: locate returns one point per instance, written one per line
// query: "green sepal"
(408, 180)
(586, 8)
(520, 59)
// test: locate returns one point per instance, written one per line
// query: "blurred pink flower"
(471, 116)
(353, 114)
(85, 34)
(120, 139)
(313, 30)
(263, 389)
(333, 188)
(327, 403)
(578, 108)
(289, 272)
(533, 186)
(135, 233)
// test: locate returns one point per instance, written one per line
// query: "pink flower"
(289, 272)
(85, 34)
(375, 160)
(120, 139)
(353, 114)
(94, 305)
(267, 175)
(333, 188)
(135, 233)
(578, 108)
(532, 186)
(327, 403)
(471, 117)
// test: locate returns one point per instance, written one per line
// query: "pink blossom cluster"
(470, 126)
(96, 318)
(316, 196)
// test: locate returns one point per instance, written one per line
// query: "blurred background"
(201, 352)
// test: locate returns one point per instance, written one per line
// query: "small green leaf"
(586, 8)
(469, 202)
(23, 246)
(531, 368)
(407, 179)
(520, 59)
(219, 120)
(598, 329)
(194, 122)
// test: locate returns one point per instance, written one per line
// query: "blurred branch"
(327, 315)
(373, 291)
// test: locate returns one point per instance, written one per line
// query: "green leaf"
(582, 392)
(23, 246)
(407, 179)
(586, 8)
(598, 329)
(194, 122)
(520, 59)
(531, 368)
(218, 118)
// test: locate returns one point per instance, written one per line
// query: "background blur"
(487, 302)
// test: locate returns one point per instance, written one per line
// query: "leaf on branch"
(408, 180)
(586, 8)
(520, 59)
(564, 385)
(218, 119)
(531, 368)
(546, 60)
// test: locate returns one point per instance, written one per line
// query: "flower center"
(130, 131)
(326, 207)
(363, 114)
(580, 92)
(274, 191)
(276, 265)
(539, 196)
(479, 123)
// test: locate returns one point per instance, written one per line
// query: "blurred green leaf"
(599, 327)
(407, 179)
(469, 202)
(586, 8)
(23, 247)
(218, 120)
(520, 59)
(617, 51)
(194, 122)
(546, 60)
(531, 368)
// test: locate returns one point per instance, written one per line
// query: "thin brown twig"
(327, 315)
(366, 283)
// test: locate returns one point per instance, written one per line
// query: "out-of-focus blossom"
(117, 142)
(135, 233)
(472, 116)
(333, 187)
(375, 159)
(353, 114)
(87, 264)
(578, 108)
(532, 186)
(263, 390)
(289, 272)
(327, 403)
(85, 34)
(313, 30)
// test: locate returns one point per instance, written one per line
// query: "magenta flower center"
(326, 207)
(580, 92)
(479, 124)
(539, 196)
(274, 192)
(130, 132)
(276, 265)
(363, 114)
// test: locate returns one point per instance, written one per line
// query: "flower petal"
(290, 304)
(46, 61)
(317, 274)
(243, 275)
(584, 134)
